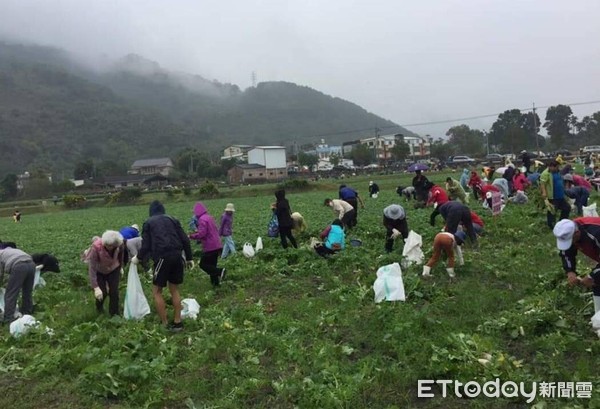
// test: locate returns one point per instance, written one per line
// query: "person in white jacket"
(343, 211)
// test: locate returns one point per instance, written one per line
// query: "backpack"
(273, 226)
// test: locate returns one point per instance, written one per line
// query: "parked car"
(563, 152)
(591, 149)
(461, 159)
(371, 166)
(494, 158)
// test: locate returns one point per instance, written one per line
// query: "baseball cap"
(564, 231)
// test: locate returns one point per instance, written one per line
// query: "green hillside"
(55, 113)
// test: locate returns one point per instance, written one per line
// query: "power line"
(491, 115)
(445, 121)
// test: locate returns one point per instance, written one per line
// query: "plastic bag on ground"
(20, 326)
(389, 285)
(259, 244)
(190, 308)
(590, 211)
(38, 281)
(412, 248)
(248, 250)
(136, 305)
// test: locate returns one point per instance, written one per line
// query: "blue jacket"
(347, 193)
(336, 238)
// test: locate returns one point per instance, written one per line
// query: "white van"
(591, 149)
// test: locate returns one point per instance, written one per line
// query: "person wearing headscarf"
(396, 225)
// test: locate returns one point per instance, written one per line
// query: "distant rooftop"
(142, 163)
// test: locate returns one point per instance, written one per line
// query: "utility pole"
(535, 134)
(253, 79)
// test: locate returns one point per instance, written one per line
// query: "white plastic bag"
(259, 244)
(248, 250)
(190, 308)
(20, 326)
(375, 195)
(38, 281)
(136, 304)
(389, 285)
(590, 211)
(412, 248)
(596, 321)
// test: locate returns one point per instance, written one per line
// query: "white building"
(273, 158)
(236, 151)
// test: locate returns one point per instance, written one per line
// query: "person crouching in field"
(333, 239)
(343, 211)
(449, 244)
(226, 230)
(105, 259)
(581, 234)
(298, 224)
(21, 272)
(455, 190)
(394, 221)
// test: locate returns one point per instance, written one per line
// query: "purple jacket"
(206, 233)
(226, 228)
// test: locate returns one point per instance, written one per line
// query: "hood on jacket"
(280, 194)
(156, 207)
(466, 172)
(199, 209)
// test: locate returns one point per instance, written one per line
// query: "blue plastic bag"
(273, 226)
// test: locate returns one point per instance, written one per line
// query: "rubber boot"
(426, 271)
(450, 271)
(459, 255)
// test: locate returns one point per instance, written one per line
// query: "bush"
(74, 201)
(208, 190)
(124, 196)
(295, 184)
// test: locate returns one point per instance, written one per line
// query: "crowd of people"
(162, 246)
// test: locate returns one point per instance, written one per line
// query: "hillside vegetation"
(55, 112)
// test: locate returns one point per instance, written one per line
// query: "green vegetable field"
(289, 329)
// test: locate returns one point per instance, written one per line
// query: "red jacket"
(437, 195)
(520, 182)
(475, 180)
(488, 188)
(476, 219)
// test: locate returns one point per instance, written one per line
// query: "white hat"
(229, 207)
(394, 212)
(135, 226)
(568, 177)
(564, 231)
(370, 183)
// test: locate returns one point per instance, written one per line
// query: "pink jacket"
(206, 232)
(101, 261)
(581, 181)
(520, 182)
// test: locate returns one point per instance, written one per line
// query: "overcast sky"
(408, 61)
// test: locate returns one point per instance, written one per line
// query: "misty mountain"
(55, 112)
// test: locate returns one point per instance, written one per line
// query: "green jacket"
(548, 181)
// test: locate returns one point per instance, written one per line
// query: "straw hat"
(229, 207)
(135, 226)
